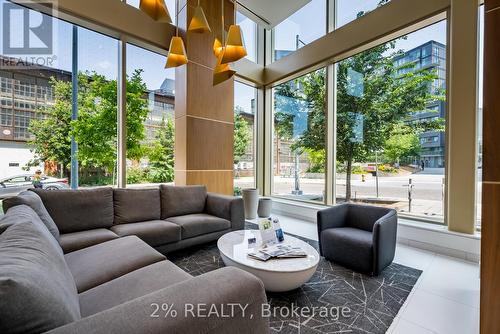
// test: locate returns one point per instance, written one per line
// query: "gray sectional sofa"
(93, 261)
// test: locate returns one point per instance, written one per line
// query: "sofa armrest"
(384, 240)
(227, 207)
(227, 288)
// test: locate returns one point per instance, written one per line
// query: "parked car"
(13, 185)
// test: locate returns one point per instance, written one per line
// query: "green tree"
(96, 127)
(161, 154)
(403, 142)
(52, 140)
(242, 134)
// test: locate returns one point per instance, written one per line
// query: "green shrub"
(136, 175)
(160, 175)
(237, 191)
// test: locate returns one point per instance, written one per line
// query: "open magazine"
(277, 252)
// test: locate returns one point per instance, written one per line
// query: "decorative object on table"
(265, 207)
(267, 234)
(360, 237)
(251, 202)
(277, 229)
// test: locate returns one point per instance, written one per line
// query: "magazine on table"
(277, 252)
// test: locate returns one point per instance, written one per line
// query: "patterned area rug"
(370, 304)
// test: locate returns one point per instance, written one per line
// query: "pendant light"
(199, 23)
(156, 9)
(235, 45)
(177, 52)
(217, 47)
(222, 72)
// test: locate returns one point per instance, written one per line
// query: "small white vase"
(251, 202)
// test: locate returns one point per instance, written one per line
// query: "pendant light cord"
(223, 28)
(177, 18)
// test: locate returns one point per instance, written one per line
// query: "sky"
(309, 23)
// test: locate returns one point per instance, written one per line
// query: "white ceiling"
(269, 13)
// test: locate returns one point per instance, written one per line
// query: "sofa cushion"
(179, 201)
(198, 224)
(136, 205)
(79, 210)
(21, 213)
(37, 290)
(101, 263)
(154, 233)
(130, 286)
(350, 247)
(34, 201)
(71, 242)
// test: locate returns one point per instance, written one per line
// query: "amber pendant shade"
(235, 46)
(156, 9)
(217, 47)
(222, 72)
(199, 23)
(176, 53)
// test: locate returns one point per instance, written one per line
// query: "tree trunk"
(348, 179)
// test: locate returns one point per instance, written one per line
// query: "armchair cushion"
(349, 247)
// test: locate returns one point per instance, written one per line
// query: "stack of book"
(277, 252)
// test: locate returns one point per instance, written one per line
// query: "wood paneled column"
(490, 226)
(204, 118)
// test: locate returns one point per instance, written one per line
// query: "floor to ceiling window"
(303, 27)
(150, 117)
(480, 115)
(349, 10)
(244, 149)
(249, 29)
(96, 126)
(30, 101)
(391, 113)
(299, 138)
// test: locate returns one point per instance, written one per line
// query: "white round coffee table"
(276, 274)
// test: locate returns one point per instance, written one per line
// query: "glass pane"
(95, 129)
(349, 10)
(245, 99)
(390, 124)
(303, 27)
(299, 138)
(480, 115)
(32, 137)
(150, 110)
(249, 29)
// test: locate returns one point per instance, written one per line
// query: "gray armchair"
(359, 237)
